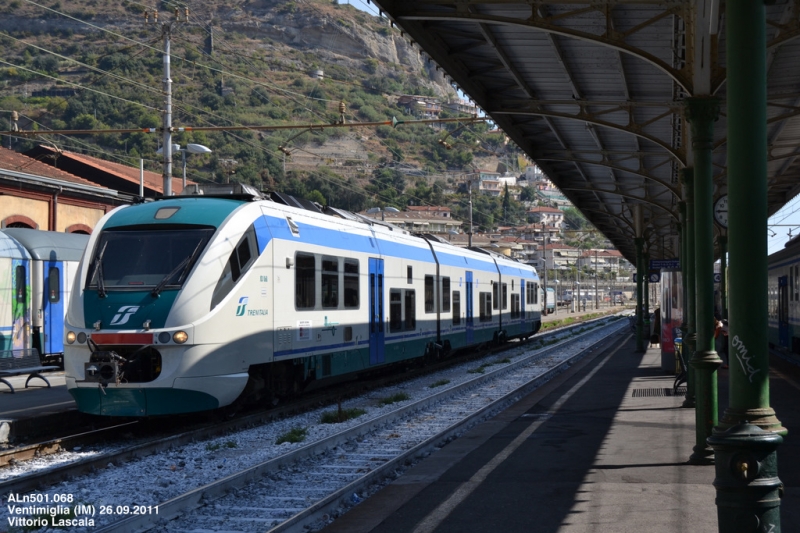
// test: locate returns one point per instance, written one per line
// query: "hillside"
(244, 62)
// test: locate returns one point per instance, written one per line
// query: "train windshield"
(145, 259)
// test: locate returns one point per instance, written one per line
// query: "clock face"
(721, 211)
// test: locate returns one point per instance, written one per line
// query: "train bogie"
(269, 298)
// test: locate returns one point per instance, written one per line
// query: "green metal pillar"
(747, 217)
(690, 333)
(723, 269)
(702, 112)
(646, 296)
(755, 498)
(639, 241)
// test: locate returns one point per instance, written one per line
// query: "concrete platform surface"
(600, 450)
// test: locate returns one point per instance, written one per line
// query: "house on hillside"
(549, 216)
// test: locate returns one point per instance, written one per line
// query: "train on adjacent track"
(37, 269)
(784, 298)
(202, 301)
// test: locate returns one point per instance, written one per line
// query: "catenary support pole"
(723, 270)
(702, 113)
(640, 274)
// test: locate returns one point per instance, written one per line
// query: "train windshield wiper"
(98, 271)
(183, 268)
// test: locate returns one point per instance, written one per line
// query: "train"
(223, 297)
(783, 289)
(37, 270)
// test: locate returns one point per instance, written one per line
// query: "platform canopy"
(593, 93)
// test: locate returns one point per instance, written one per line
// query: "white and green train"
(193, 303)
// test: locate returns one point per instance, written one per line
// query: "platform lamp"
(192, 149)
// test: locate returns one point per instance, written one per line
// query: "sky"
(782, 225)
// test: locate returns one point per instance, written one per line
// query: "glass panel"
(456, 308)
(54, 285)
(351, 294)
(395, 311)
(446, 295)
(142, 258)
(330, 282)
(429, 294)
(304, 285)
(411, 312)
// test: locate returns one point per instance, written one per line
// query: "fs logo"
(242, 305)
(124, 314)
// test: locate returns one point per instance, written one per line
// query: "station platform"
(602, 448)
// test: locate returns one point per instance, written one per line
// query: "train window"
(429, 308)
(351, 297)
(411, 310)
(395, 310)
(330, 282)
(496, 294)
(19, 288)
(445, 295)
(239, 262)
(791, 284)
(485, 304)
(54, 285)
(515, 308)
(456, 308)
(528, 292)
(796, 283)
(505, 295)
(304, 282)
(410, 274)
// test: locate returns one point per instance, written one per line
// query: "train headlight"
(70, 337)
(82, 337)
(180, 337)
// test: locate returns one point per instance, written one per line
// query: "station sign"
(665, 264)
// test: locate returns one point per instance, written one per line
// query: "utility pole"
(166, 31)
(544, 248)
(596, 297)
(469, 189)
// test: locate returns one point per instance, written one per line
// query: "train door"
(470, 322)
(53, 308)
(376, 325)
(783, 312)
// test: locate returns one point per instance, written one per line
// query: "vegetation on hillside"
(115, 67)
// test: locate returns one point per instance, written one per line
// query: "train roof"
(9, 247)
(50, 245)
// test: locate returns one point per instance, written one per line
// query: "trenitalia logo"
(124, 314)
(242, 305)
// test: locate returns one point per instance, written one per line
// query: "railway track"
(348, 460)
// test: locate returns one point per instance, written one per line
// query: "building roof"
(17, 162)
(541, 209)
(117, 176)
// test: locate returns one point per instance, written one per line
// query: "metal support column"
(723, 270)
(690, 333)
(747, 483)
(646, 294)
(640, 273)
(702, 112)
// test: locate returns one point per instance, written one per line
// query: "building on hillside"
(36, 195)
(461, 106)
(436, 221)
(420, 106)
(549, 216)
(601, 260)
(116, 176)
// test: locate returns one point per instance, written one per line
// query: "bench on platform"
(18, 362)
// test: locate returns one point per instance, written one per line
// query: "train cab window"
(429, 294)
(305, 281)
(409, 275)
(495, 295)
(330, 282)
(485, 304)
(505, 295)
(351, 297)
(445, 295)
(456, 308)
(242, 257)
(53, 285)
(19, 288)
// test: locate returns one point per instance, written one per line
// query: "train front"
(130, 345)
